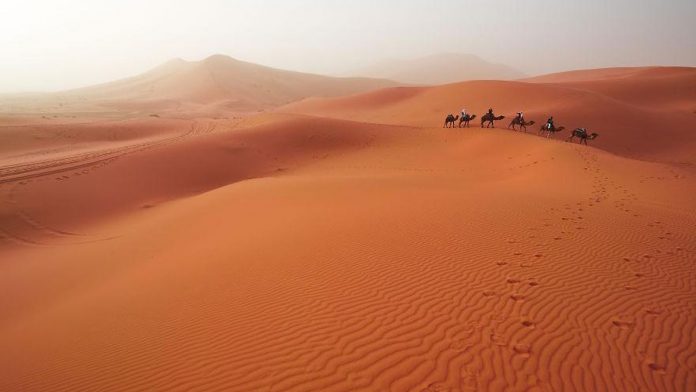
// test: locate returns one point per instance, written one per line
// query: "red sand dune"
(644, 117)
(302, 252)
(603, 74)
(217, 85)
(222, 81)
(654, 87)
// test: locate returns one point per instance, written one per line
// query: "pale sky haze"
(48, 45)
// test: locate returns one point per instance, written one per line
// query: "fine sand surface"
(353, 244)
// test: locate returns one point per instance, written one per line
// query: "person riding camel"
(549, 124)
(464, 115)
(520, 117)
(490, 112)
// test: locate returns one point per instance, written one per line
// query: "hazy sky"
(58, 44)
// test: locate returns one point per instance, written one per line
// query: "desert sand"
(353, 244)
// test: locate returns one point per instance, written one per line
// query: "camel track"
(26, 171)
(13, 176)
(559, 298)
(464, 314)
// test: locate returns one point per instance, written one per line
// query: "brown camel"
(581, 134)
(451, 119)
(465, 120)
(523, 124)
(549, 131)
(489, 118)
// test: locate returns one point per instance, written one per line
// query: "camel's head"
(593, 135)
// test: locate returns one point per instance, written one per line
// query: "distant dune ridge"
(217, 83)
(640, 112)
(348, 243)
(235, 83)
(440, 69)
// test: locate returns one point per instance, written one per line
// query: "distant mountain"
(221, 81)
(440, 69)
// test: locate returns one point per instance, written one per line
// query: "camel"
(489, 118)
(465, 120)
(450, 120)
(523, 124)
(550, 131)
(582, 135)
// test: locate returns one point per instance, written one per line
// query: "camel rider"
(520, 117)
(490, 112)
(549, 123)
(464, 115)
(583, 131)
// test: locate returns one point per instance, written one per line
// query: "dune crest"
(216, 84)
(646, 117)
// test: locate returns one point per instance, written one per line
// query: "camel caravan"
(548, 129)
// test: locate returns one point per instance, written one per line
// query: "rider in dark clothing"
(520, 117)
(549, 123)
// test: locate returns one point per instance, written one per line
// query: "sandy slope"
(652, 88)
(215, 85)
(301, 252)
(226, 81)
(646, 117)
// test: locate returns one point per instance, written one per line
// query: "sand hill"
(440, 69)
(649, 115)
(353, 244)
(216, 84)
